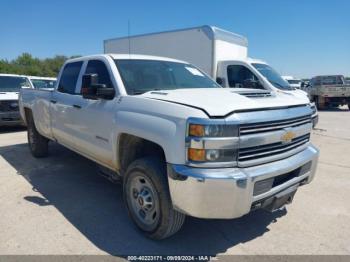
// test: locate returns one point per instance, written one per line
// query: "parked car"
(221, 54)
(10, 86)
(294, 82)
(329, 90)
(181, 144)
(42, 82)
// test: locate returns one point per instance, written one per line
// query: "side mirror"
(91, 89)
(105, 92)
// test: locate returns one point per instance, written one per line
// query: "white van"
(221, 54)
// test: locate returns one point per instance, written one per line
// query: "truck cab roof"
(127, 56)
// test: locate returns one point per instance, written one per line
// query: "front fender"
(167, 133)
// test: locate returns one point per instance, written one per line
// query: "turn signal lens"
(196, 130)
(196, 154)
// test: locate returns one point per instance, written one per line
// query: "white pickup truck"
(40, 82)
(181, 144)
(10, 86)
(329, 90)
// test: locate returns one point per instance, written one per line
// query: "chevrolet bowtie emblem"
(287, 137)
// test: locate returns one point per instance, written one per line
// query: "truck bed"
(38, 100)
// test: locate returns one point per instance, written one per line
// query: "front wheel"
(147, 198)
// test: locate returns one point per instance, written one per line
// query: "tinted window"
(43, 83)
(332, 80)
(140, 76)
(69, 77)
(99, 67)
(294, 82)
(316, 81)
(12, 83)
(237, 74)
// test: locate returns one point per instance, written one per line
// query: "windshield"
(272, 76)
(12, 83)
(294, 82)
(140, 76)
(43, 83)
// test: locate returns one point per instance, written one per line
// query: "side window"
(69, 77)
(99, 67)
(317, 81)
(237, 74)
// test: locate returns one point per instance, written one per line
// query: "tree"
(26, 64)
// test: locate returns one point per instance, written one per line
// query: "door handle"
(77, 106)
(53, 101)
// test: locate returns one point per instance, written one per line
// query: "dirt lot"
(59, 205)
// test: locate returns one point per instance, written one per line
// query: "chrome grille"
(6, 106)
(256, 152)
(246, 129)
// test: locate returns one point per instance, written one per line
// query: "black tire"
(319, 105)
(167, 221)
(349, 106)
(38, 144)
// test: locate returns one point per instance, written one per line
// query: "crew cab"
(10, 84)
(181, 144)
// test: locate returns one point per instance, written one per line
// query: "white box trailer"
(202, 46)
(221, 54)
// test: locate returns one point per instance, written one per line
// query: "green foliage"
(26, 64)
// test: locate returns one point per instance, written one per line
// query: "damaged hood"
(223, 101)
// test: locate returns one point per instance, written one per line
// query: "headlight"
(212, 143)
(211, 155)
(197, 130)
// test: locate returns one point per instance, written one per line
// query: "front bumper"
(229, 192)
(12, 118)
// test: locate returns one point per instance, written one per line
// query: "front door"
(95, 119)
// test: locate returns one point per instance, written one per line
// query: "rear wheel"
(38, 144)
(147, 198)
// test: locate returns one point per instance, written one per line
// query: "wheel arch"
(131, 147)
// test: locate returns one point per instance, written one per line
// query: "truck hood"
(8, 96)
(218, 102)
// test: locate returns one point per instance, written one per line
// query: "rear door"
(64, 103)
